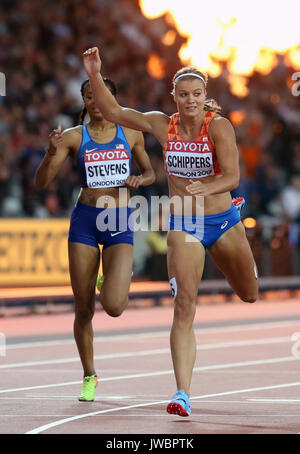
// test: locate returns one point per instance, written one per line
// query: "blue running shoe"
(180, 404)
(239, 202)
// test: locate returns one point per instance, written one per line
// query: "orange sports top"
(190, 158)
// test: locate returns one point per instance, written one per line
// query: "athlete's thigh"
(117, 268)
(186, 256)
(83, 265)
(233, 255)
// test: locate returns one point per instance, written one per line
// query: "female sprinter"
(201, 159)
(102, 151)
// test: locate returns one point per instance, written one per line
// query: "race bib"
(189, 159)
(108, 168)
(190, 165)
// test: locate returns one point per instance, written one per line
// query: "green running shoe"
(88, 388)
(100, 282)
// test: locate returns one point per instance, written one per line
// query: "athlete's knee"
(185, 302)
(250, 294)
(114, 308)
(84, 314)
(185, 306)
(249, 298)
(114, 311)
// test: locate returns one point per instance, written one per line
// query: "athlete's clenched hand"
(197, 188)
(134, 182)
(55, 138)
(92, 61)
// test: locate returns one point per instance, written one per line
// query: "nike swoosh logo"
(224, 225)
(89, 151)
(114, 234)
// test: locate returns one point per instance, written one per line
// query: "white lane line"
(160, 414)
(128, 407)
(96, 357)
(68, 398)
(205, 415)
(276, 401)
(164, 372)
(160, 351)
(163, 415)
(117, 337)
(30, 416)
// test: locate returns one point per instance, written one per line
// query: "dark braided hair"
(110, 85)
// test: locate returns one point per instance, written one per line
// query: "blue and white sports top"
(104, 165)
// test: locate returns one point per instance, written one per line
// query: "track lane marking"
(160, 351)
(117, 337)
(159, 373)
(128, 407)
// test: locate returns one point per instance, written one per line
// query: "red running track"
(246, 378)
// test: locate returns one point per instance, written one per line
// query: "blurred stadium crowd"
(41, 45)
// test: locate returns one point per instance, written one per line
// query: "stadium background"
(41, 45)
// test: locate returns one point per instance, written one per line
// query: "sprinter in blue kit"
(201, 159)
(103, 152)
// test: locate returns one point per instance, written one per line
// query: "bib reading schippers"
(190, 158)
(104, 165)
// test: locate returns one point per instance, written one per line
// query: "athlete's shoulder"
(220, 126)
(218, 116)
(75, 130)
(218, 121)
(72, 136)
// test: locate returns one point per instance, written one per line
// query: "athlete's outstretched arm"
(142, 160)
(54, 158)
(154, 122)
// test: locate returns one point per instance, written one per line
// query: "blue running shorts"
(208, 228)
(106, 226)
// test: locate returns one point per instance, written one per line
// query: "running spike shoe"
(89, 385)
(238, 202)
(100, 281)
(180, 404)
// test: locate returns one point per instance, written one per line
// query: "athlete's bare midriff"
(213, 204)
(104, 198)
